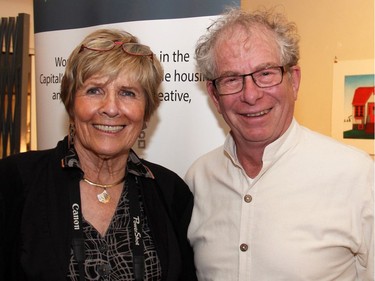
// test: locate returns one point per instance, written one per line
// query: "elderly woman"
(90, 209)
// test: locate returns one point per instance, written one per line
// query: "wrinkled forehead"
(245, 35)
(238, 39)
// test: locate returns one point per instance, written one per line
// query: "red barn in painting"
(363, 109)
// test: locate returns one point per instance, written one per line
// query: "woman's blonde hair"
(83, 64)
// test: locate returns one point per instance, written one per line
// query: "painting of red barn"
(353, 103)
(362, 114)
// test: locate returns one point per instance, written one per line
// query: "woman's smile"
(109, 128)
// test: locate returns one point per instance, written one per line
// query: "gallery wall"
(329, 30)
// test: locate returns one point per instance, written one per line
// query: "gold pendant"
(104, 197)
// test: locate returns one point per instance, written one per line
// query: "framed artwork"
(353, 103)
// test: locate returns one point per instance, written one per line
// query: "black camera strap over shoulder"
(136, 222)
(137, 226)
(78, 242)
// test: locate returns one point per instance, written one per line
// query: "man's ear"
(213, 94)
(295, 77)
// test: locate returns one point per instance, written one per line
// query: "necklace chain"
(103, 197)
(104, 186)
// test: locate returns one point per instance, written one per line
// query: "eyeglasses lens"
(100, 45)
(138, 49)
(134, 49)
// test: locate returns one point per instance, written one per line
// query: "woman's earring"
(72, 134)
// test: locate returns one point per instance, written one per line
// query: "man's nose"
(250, 92)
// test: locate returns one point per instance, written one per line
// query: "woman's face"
(108, 115)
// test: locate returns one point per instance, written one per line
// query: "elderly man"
(277, 201)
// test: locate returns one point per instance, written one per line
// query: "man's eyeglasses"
(265, 78)
(133, 49)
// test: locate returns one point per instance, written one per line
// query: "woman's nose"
(110, 105)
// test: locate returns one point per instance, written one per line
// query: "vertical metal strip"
(15, 70)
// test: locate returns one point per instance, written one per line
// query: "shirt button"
(248, 198)
(244, 247)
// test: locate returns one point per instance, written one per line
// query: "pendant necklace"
(103, 197)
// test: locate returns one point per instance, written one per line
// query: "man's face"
(256, 116)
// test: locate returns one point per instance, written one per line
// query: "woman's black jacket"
(36, 217)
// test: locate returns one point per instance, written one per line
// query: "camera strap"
(78, 243)
(137, 226)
